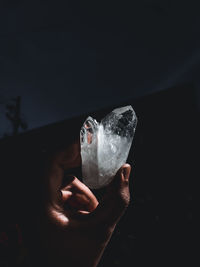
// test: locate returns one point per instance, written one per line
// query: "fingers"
(115, 201)
(78, 196)
(61, 161)
(117, 197)
(74, 198)
(66, 195)
(120, 183)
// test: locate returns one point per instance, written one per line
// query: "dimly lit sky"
(65, 58)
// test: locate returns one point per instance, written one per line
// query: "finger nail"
(125, 173)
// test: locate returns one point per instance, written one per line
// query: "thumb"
(115, 201)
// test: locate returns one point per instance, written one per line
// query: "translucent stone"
(105, 146)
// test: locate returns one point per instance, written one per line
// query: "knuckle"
(126, 201)
(123, 199)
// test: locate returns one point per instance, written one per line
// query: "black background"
(65, 58)
(87, 55)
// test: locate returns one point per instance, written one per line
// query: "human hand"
(77, 227)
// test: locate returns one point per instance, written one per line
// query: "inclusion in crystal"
(105, 146)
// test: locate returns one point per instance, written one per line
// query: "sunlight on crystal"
(105, 146)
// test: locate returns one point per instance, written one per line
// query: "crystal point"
(105, 146)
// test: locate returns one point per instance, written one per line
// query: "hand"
(77, 227)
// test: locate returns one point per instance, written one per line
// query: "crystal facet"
(105, 146)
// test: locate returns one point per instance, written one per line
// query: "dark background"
(65, 58)
(157, 227)
(68, 59)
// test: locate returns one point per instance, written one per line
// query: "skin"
(76, 227)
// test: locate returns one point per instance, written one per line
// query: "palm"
(76, 223)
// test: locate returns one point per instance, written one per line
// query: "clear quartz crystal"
(105, 146)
